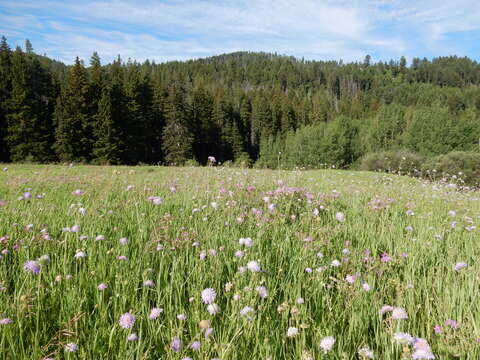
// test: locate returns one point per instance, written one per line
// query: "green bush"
(461, 167)
(399, 162)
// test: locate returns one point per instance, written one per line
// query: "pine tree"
(5, 89)
(177, 138)
(109, 145)
(73, 135)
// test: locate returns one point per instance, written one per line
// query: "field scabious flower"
(213, 309)
(102, 286)
(176, 344)
(422, 350)
(132, 337)
(71, 347)
(254, 266)
(366, 353)
(340, 216)
(5, 321)
(155, 313)
(32, 266)
(327, 343)
(460, 265)
(292, 332)
(127, 320)
(208, 296)
(195, 345)
(399, 313)
(403, 338)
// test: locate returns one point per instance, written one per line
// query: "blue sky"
(185, 29)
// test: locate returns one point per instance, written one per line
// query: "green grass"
(49, 310)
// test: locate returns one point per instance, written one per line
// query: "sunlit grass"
(187, 242)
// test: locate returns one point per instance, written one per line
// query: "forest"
(246, 108)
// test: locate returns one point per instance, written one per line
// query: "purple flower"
(422, 350)
(327, 343)
(246, 310)
(132, 337)
(208, 332)
(292, 332)
(123, 241)
(182, 317)
(452, 323)
(254, 266)
(32, 266)
(438, 329)
(208, 296)
(385, 309)
(403, 338)
(213, 309)
(155, 313)
(176, 344)
(262, 291)
(102, 287)
(195, 345)
(460, 265)
(148, 283)
(71, 347)
(127, 320)
(5, 321)
(399, 313)
(340, 216)
(80, 255)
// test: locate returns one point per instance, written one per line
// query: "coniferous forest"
(242, 107)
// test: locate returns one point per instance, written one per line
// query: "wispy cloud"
(183, 29)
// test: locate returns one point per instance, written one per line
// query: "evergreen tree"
(5, 89)
(73, 135)
(177, 137)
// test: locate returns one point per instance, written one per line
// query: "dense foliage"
(244, 107)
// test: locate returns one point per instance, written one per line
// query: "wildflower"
(327, 343)
(132, 337)
(452, 323)
(44, 259)
(335, 263)
(239, 254)
(80, 255)
(122, 257)
(195, 345)
(248, 242)
(292, 332)
(208, 296)
(365, 352)
(155, 313)
(75, 228)
(100, 238)
(176, 344)
(460, 265)
(385, 309)
(32, 267)
(262, 291)
(127, 320)
(452, 213)
(340, 216)
(208, 332)
(71, 347)
(437, 329)
(300, 301)
(253, 266)
(365, 286)
(409, 212)
(182, 317)
(213, 309)
(422, 350)
(102, 286)
(123, 241)
(27, 195)
(78, 192)
(351, 278)
(403, 338)
(129, 187)
(399, 313)
(385, 258)
(149, 283)
(5, 321)
(246, 310)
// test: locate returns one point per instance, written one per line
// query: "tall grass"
(398, 237)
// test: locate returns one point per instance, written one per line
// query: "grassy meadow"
(113, 263)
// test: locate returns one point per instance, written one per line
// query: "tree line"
(241, 107)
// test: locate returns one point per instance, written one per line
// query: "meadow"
(219, 263)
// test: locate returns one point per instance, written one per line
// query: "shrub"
(461, 167)
(399, 162)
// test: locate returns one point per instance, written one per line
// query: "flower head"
(127, 320)
(32, 266)
(327, 343)
(208, 296)
(155, 313)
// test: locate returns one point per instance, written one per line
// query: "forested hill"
(242, 107)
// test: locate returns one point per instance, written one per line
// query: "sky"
(165, 30)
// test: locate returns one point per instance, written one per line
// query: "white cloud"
(181, 29)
